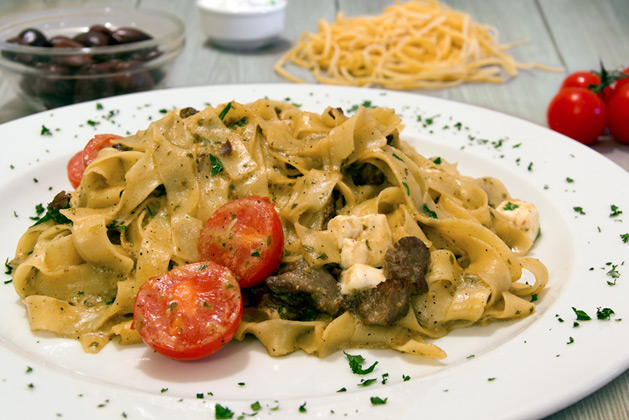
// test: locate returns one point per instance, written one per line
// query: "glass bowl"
(48, 73)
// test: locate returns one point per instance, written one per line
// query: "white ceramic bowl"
(242, 24)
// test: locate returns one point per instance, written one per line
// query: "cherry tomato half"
(190, 312)
(618, 108)
(577, 113)
(80, 161)
(246, 236)
(75, 169)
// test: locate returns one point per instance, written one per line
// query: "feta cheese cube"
(360, 276)
(362, 239)
(523, 215)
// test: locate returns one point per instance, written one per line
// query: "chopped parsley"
(225, 111)
(240, 123)
(378, 401)
(579, 210)
(45, 131)
(604, 313)
(408, 191)
(216, 165)
(52, 213)
(367, 382)
(510, 206)
(624, 237)
(581, 315)
(221, 412)
(356, 364)
(430, 213)
(615, 211)
(302, 408)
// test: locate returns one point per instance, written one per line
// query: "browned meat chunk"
(299, 290)
(384, 304)
(405, 266)
(408, 260)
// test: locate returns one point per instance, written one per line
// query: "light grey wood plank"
(203, 63)
(587, 31)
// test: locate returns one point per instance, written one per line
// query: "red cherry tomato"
(616, 87)
(624, 81)
(95, 145)
(582, 79)
(577, 113)
(75, 169)
(246, 236)
(80, 161)
(618, 108)
(190, 312)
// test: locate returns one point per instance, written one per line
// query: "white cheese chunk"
(358, 277)
(361, 239)
(523, 215)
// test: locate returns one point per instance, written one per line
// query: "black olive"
(104, 30)
(132, 79)
(61, 41)
(34, 38)
(92, 39)
(126, 35)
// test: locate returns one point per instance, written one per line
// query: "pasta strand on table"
(419, 44)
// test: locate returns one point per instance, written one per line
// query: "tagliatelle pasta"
(141, 204)
(419, 44)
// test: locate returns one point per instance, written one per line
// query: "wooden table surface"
(573, 34)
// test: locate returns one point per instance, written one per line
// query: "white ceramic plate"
(511, 370)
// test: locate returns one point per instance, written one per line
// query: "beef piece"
(383, 304)
(408, 259)
(366, 174)
(405, 266)
(297, 292)
(301, 286)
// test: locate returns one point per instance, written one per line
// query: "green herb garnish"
(581, 315)
(430, 213)
(216, 165)
(378, 401)
(604, 313)
(225, 111)
(356, 364)
(221, 412)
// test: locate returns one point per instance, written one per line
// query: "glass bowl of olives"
(59, 57)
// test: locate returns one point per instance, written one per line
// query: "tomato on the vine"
(582, 79)
(246, 236)
(578, 113)
(190, 312)
(617, 85)
(618, 108)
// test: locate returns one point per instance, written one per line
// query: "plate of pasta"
(431, 252)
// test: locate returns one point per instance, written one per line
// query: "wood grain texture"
(574, 34)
